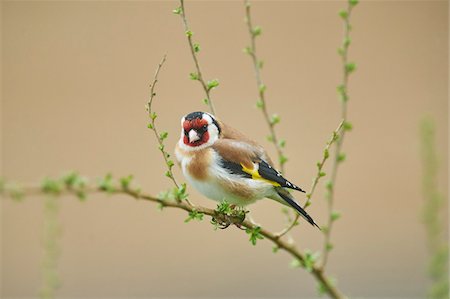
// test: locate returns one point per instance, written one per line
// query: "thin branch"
(62, 187)
(160, 137)
(320, 174)
(347, 69)
(207, 86)
(262, 104)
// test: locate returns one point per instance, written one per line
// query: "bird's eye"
(186, 133)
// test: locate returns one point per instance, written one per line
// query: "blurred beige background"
(75, 80)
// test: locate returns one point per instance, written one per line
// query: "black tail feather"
(299, 209)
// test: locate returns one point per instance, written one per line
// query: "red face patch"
(197, 125)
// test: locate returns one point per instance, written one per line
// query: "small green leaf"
(262, 88)
(353, 2)
(329, 247)
(296, 263)
(347, 126)
(269, 138)
(194, 215)
(256, 31)
(260, 64)
(329, 185)
(283, 159)
(247, 50)
(335, 215)
(194, 76)
(326, 153)
(189, 33)
(168, 174)
(340, 51)
(347, 41)
(150, 126)
(163, 135)
(212, 84)
(350, 67)
(259, 104)
(177, 10)
(340, 89)
(224, 208)
(343, 14)
(275, 119)
(341, 157)
(51, 186)
(196, 48)
(126, 181)
(255, 234)
(170, 163)
(275, 249)
(322, 174)
(206, 101)
(282, 143)
(106, 184)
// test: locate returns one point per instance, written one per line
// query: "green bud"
(194, 76)
(326, 153)
(283, 159)
(343, 14)
(196, 48)
(189, 33)
(353, 2)
(168, 174)
(177, 10)
(260, 104)
(163, 135)
(269, 138)
(350, 67)
(322, 174)
(275, 119)
(340, 89)
(262, 88)
(247, 50)
(347, 126)
(206, 101)
(260, 64)
(212, 84)
(340, 51)
(329, 185)
(329, 247)
(341, 157)
(282, 143)
(150, 126)
(170, 163)
(335, 215)
(347, 41)
(256, 31)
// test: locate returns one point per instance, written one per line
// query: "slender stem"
(153, 127)
(316, 179)
(160, 137)
(340, 140)
(261, 87)
(194, 56)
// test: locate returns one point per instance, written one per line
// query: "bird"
(225, 165)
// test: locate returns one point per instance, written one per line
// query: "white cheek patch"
(208, 118)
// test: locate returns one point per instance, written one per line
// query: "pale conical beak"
(193, 136)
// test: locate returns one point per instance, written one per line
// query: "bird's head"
(199, 130)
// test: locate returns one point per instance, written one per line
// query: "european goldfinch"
(224, 164)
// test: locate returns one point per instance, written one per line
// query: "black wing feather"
(269, 173)
(295, 205)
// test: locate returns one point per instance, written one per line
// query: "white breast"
(213, 188)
